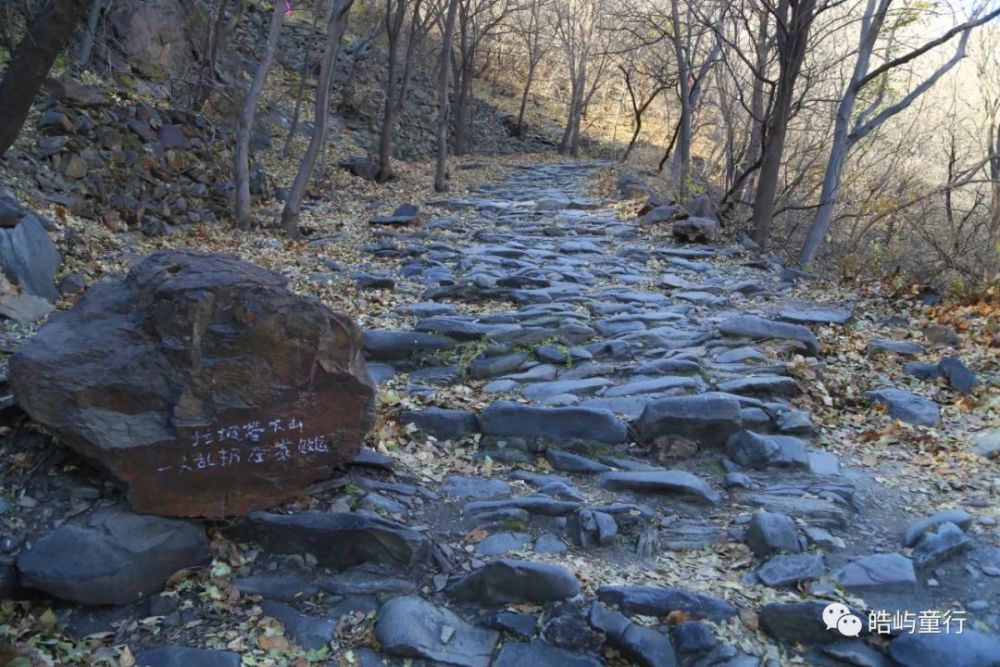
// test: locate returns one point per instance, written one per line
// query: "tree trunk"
(394, 25)
(791, 49)
(31, 61)
(286, 150)
(524, 98)
(336, 24)
(241, 154)
(462, 106)
(681, 166)
(87, 42)
(441, 129)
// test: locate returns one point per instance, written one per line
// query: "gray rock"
(850, 651)
(566, 462)
(922, 370)
(907, 407)
(958, 374)
(488, 367)
(308, 632)
(282, 589)
(337, 540)
(536, 504)
(641, 645)
(411, 627)
(815, 315)
(770, 533)
(441, 423)
(590, 529)
(692, 638)
(758, 328)
(667, 384)
(969, 648)
(182, 656)
(757, 451)
(402, 345)
(696, 230)
(661, 481)
(883, 573)
(543, 390)
(902, 348)
(471, 487)
(987, 443)
(655, 601)
(788, 570)
(916, 530)
(941, 335)
(24, 308)
(947, 541)
(550, 544)
(515, 581)
(520, 654)
(29, 259)
(112, 557)
(505, 419)
(762, 385)
(707, 419)
(737, 479)
(797, 622)
(498, 544)
(367, 579)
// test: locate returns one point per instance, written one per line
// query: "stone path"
(628, 481)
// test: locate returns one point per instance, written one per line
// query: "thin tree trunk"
(300, 95)
(47, 35)
(87, 42)
(440, 176)
(681, 166)
(334, 31)
(462, 103)
(524, 99)
(241, 154)
(792, 48)
(394, 24)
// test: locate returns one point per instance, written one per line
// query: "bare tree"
(578, 28)
(794, 18)
(48, 34)
(529, 27)
(849, 129)
(476, 21)
(336, 24)
(444, 108)
(640, 101)
(244, 126)
(395, 16)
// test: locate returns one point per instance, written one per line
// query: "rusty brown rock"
(202, 384)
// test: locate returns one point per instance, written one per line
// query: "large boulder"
(201, 384)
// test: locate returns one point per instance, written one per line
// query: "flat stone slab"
(706, 419)
(759, 328)
(815, 315)
(506, 419)
(515, 581)
(881, 573)
(665, 481)
(337, 540)
(411, 627)
(112, 557)
(655, 601)
(906, 406)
